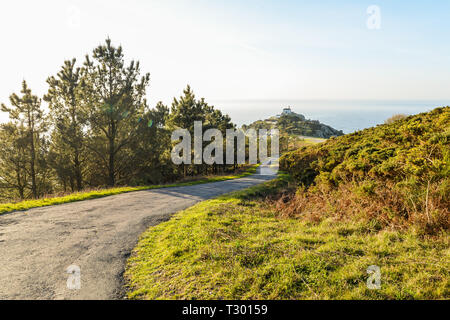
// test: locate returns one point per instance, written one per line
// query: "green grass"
(235, 247)
(80, 196)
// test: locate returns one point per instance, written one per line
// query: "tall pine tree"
(114, 101)
(13, 160)
(26, 110)
(186, 110)
(69, 122)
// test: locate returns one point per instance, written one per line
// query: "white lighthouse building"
(287, 111)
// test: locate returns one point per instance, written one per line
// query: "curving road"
(38, 245)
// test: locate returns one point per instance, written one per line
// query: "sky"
(240, 49)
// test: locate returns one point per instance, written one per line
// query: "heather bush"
(396, 174)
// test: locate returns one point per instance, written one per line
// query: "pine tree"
(216, 119)
(184, 112)
(114, 101)
(13, 160)
(187, 109)
(69, 122)
(26, 111)
(149, 156)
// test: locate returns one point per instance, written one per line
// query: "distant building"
(287, 111)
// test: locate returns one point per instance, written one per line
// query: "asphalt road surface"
(37, 246)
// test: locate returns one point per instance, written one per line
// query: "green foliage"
(67, 154)
(14, 179)
(408, 158)
(185, 111)
(99, 132)
(28, 117)
(113, 99)
(416, 146)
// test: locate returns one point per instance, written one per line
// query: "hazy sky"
(239, 49)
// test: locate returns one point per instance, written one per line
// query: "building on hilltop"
(288, 112)
(295, 124)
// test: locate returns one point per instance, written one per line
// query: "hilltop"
(294, 124)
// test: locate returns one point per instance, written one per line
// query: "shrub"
(396, 173)
(394, 118)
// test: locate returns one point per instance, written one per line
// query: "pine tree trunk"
(19, 184)
(112, 181)
(33, 174)
(78, 177)
(72, 184)
(33, 158)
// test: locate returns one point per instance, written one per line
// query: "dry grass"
(383, 205)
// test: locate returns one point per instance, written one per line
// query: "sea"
(345, 115)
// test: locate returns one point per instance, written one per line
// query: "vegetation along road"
(37, 246)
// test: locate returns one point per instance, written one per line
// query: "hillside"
(395, 174)
(378, 197)
(295, 124)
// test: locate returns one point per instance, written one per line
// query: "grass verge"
(237, 247)
(87, 195)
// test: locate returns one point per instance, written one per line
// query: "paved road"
(38, 245)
